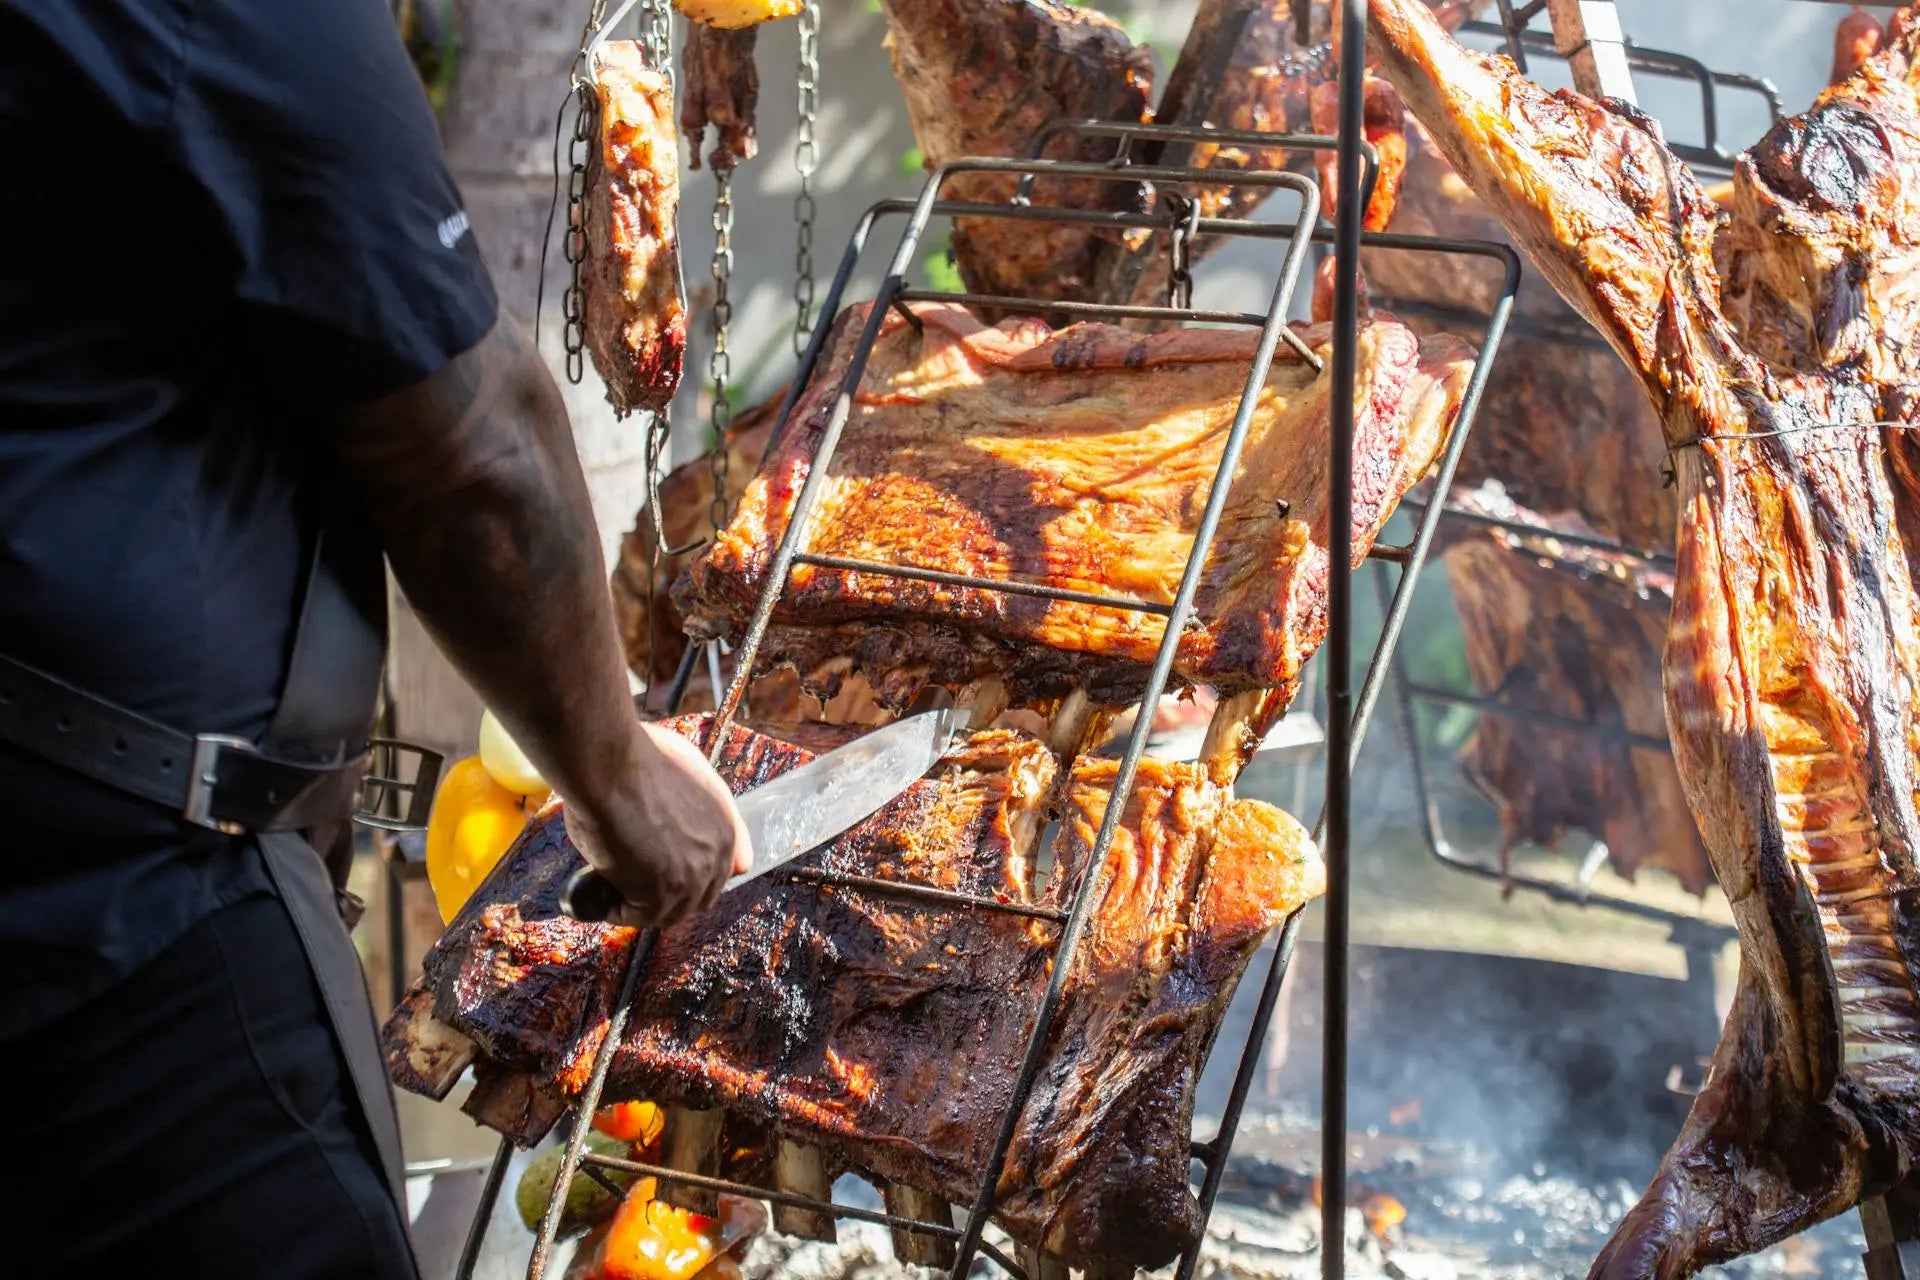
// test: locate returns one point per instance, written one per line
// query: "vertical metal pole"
(1348, 217)
(483, 1212)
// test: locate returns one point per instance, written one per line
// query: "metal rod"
(483, 1212)
(1521, 528)
(1118, 311)
(1424, 529)
(723, 1186)
(1475, 702)
(1348, 211)
(588, 1104)
(682, 677)
(1189, 587)
(1004, 586)
(829, 313)
(923, 893)
(1214, 1151)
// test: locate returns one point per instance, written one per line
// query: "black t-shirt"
(217, 218)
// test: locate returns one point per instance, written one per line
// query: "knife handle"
(588, 897)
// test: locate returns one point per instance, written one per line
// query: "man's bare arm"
(473, 482)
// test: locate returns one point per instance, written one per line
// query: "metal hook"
(606, 28)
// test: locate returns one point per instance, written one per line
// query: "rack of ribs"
(1778, 355)
(634, 318)
(1567, 631)
(1077, 459)
(886, 1032)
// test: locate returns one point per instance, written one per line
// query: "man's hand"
(669, 841)
(472, 480)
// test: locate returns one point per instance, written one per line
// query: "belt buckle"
(383, 780)
(204, 774)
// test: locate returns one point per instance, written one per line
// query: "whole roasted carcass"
(1779, 353)
(1080, 460)
(885, 1033)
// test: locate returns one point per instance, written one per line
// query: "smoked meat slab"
(1080, 459)
(886, 1032)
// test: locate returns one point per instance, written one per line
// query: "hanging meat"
(1569, 632)
(719, 87)
(1077, 459)
(886, 1033)
(1241, 70)
(1792, 656)
(982, 78)
(635, 319)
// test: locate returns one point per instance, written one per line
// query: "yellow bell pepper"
(732, 14)
(474, 822)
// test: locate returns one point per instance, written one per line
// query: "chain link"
(806, 159)
(1185, 215)
(656, 36)
(573, 332)
(720, 363)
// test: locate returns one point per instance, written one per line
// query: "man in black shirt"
(240, 303)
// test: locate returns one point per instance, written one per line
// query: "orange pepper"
(650, 1239)
(636, 1122)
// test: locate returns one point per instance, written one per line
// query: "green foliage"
(913, 162)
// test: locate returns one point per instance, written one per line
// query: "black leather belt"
(212, 780)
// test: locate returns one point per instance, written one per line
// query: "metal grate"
(1304, 229)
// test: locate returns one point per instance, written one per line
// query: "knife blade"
(804, 808)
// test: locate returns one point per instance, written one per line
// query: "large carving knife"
(804, 808)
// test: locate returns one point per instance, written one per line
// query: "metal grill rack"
(1521, 41)
(1348, 717)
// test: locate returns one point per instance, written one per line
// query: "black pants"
(197, 1121)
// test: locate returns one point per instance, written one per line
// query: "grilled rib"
(1077, 459)
(1791, 656)
(887, 1033)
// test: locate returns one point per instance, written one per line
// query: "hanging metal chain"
(1185, 215)
(656, 36)
(806, 159)
(720, 363)
(586, 105)
(573, 332)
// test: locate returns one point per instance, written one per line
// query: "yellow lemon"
(733, 14)
(474, 822)
(505, 761)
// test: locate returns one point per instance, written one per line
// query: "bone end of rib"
(922, 1206)
(1039, 1265)
(427, 1056)
(799, 1169)
(690, 1142)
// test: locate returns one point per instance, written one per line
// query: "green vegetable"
(588, 1203)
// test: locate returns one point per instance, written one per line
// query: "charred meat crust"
(888, 1033)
